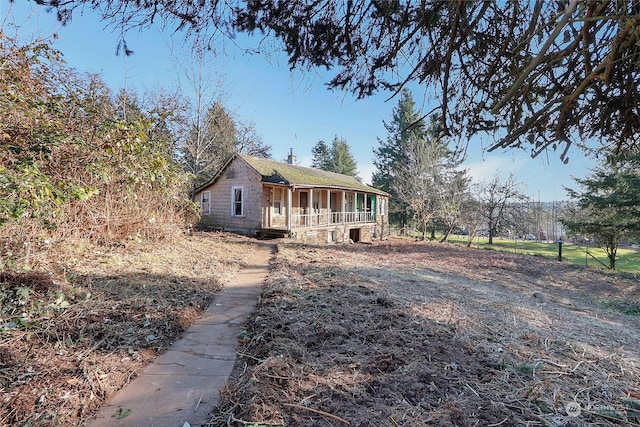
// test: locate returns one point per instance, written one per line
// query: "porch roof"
(293, 175)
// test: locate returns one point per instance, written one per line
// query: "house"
(257, 196)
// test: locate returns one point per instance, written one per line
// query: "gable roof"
(277, 172)
(299, 176)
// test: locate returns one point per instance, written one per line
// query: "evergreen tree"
(209, 142)
(417, 168)
(337, 158)
(391, 157)
(609, 203)
(424, 180)
(342, 160)
(321, 156)
(212, 138)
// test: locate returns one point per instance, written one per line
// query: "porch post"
(364, 207)
(356, 217)
(312, 214)
(328, 206)
(289, 208)
(343, 206)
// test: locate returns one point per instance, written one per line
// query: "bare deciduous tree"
(210, 133)
(498, 199)
(208, 143)
(451, 200)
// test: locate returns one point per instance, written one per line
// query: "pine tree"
(342, 160)
(422, 182)
(337, 158)
(391, 156)
(609, 203)
(417, 168)
(212, 138)
(321, 155)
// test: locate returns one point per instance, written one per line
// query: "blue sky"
(290, 110)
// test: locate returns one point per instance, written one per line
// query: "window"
(316, 202)
(205, 203)
(237, 199)
(383, 206)
(350, 202)
(277, 201)
(369, 202)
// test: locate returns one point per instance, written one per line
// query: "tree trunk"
(446, 236)
(471, 237)
(194, 185)
(611, 254)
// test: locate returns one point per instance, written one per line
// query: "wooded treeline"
(432, 194)
(78, 161)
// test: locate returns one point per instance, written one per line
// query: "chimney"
(291, 159)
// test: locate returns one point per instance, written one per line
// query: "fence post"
(560, 250)
(586, 255)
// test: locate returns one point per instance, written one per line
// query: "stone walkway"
(182, 385)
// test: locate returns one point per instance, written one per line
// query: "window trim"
(234, 201)
(202, 202)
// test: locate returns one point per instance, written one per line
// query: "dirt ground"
(399, 333)
(394, 333)
(83, 325)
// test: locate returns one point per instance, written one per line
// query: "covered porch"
(290, 209)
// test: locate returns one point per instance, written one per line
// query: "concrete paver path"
(182, 384)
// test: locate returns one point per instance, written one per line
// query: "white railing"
(326, 218)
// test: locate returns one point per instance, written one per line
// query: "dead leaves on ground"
(71, 337)
(418, 334)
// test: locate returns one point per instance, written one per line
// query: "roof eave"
(339, 187)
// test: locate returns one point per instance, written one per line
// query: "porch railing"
(327, 218)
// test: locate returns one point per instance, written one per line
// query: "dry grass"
(390, 334)
(413, 334)
(90, 319)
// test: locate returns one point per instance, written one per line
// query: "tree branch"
(538, 59)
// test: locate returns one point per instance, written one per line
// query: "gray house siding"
(281, 199)
(237, 175)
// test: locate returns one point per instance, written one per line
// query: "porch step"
(272, 234)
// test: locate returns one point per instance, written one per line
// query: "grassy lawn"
(627, 260)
